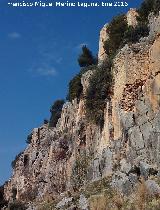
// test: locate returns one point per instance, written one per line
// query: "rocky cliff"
(77, 164)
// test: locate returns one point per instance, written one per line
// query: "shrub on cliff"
(87, 62)
(133, 35)
(120, 33)
(116, 30)
(86, 58)
(142, 30)
(75, 86)
(146, 8)
(56, 112)
(98, 92)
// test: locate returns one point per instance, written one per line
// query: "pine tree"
(86, 58)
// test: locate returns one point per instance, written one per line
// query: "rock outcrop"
(132, 17)
(61, 164)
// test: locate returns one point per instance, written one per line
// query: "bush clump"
(87, 62)
(98, 92)
(120, 33)
(142, 30)
(86, 58)
(75, 86)
(133, 35)
(56, 110)
(146, 8)
(116, 30)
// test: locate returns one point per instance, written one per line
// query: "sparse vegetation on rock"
(87, 62)
(55, 112)
(86, 161)
(75, 86)
(133, 35)
(116, 30)
(99, 91)
(120, 33)
(146, 8)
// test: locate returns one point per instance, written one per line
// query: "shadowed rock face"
(62, 160)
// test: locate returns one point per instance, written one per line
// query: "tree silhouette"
(86, 58)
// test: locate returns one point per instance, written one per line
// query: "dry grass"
(101, 197)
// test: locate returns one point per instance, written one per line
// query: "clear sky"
(38, 56)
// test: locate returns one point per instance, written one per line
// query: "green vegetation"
(86, 58)
(56, 110)
(133, 35)
(98, 92)
(141, 30)
(101, 82)
(116, 30)
(146, 8)
(87, 62)
(75, 86)
(120, 33)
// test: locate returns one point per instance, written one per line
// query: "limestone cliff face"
(60, 161)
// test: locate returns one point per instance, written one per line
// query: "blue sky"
(38, 57)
